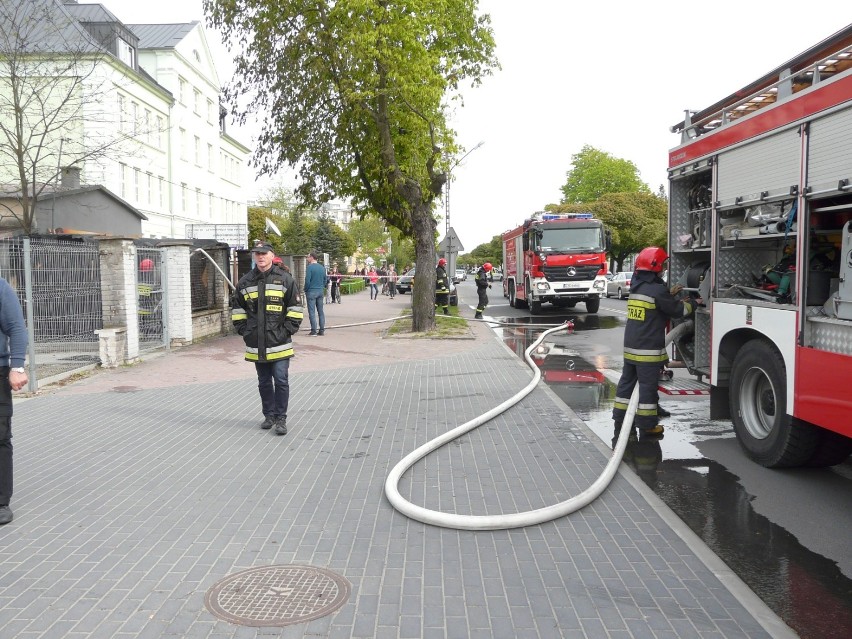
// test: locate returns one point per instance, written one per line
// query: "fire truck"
(760, 229)
(556, 258)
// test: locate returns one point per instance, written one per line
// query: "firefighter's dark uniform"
(266, 309)
(649, 309)
(482, 286)
(442, 290)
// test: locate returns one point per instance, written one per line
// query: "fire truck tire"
(758, 400)
(512, 296)
(833, 449)
(535, 307)
(593, 304)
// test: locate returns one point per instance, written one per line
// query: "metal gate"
(151, 299)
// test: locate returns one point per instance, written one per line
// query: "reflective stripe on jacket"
(266, 309)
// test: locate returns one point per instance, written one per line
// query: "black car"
(406, 281)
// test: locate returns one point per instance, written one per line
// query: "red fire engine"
(760, 227)
(557, 258)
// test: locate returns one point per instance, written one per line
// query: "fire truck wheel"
(512, 296)
(758, 397)
(833, 449)
(535, 307)
(593, 304)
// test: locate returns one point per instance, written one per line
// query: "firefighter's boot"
(477, 316)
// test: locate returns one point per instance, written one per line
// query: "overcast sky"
(615, 75)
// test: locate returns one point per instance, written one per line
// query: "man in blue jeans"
(266, 310)
(315, 279)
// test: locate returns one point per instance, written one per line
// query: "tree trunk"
(423, 292)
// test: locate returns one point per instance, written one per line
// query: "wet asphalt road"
(784, 532)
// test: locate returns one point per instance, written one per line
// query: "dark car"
(406, 281)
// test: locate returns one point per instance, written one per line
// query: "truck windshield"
(572, 239)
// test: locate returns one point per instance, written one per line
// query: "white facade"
(147, 122)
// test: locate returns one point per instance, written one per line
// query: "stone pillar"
(178, 293)
(119, 297)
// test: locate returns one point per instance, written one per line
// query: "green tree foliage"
(636, 220)
(330, 238)
(354, 94)
(595, 173)
(297, 234)
(489, 252)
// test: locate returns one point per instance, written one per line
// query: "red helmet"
(442, 262)
(146, 265)
(487, 266)
(651, 259)
(277, 260)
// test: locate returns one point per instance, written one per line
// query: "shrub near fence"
(349, 285)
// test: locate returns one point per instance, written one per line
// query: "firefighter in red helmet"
(442, 287)
(483, 283)
(649, 308)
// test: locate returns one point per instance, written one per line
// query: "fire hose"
(523, 519)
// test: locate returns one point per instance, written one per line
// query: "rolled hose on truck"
(523, 519)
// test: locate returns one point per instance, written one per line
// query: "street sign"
(451, 242)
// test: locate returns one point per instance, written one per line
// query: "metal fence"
(152, 303)
(59, 285)
(206, 288)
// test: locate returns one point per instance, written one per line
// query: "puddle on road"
(805, 589)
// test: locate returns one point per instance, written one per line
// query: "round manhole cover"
(277, 595)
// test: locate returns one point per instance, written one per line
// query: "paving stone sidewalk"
(139, 489)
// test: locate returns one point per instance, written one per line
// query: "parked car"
(619, 285)
(497, 275)
(403, 284)
(460, 276)
(406, 281)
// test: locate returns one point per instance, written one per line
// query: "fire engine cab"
(760, 229)
(556, 258)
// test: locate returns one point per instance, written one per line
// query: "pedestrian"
(391, 281)
(374, 283)
(483, 283)
(335, 278)
(315, 280)
(266, 310)
(649, 308)
(13, 376)
(442, 288)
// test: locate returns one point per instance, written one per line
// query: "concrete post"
(119, 297)
(178, 293)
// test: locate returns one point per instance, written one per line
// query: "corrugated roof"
(161, 36)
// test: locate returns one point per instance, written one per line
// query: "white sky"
(614, 74)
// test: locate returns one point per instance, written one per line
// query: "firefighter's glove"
(677, 288)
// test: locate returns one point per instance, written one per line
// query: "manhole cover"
(277, 595)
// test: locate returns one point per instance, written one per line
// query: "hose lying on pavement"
(512, 520)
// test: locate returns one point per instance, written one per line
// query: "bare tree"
(58, 104)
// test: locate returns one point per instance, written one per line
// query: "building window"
(162, 192)
(122, 179)
(183, 197)
(122, 113)
(197, 151)
(134, 116)
(136, 184)
(159, 135)
(182, 91)
(148, 136)
(150, 189)
(198, 202)
(210, 111)
(196, 101)
(126, 53)
(210, 157)
(182, 142)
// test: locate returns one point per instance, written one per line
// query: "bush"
(351, 285)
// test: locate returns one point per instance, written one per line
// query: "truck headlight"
(599, 285)
(542, 286)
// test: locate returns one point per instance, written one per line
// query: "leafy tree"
(368, 234)
(595, 173)
(636, 220)
(330, 238)
(297, 233)
(354, 94)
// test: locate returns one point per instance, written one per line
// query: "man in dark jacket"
(482, 285)
(649, 309)
(266, 310)
(442, 287)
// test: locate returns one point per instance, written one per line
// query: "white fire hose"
(512, 520)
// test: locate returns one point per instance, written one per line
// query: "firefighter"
(442, 287)
(649, 309)
(483, 277)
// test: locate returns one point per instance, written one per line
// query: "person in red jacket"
(649, 309)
